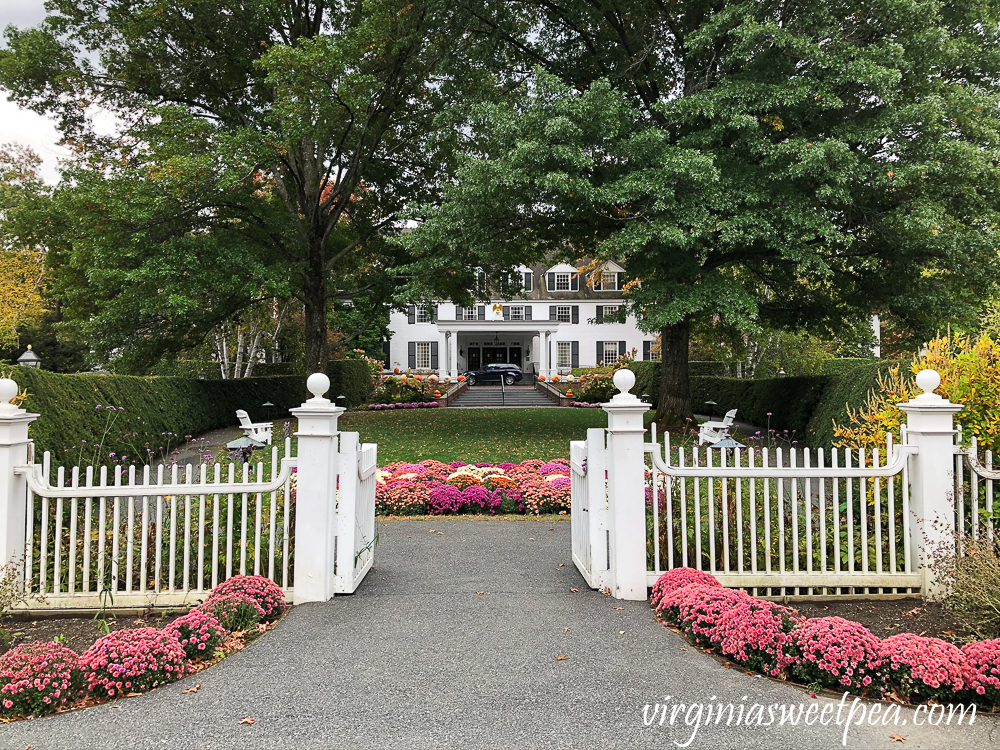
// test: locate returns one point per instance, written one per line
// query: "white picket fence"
(96, 537)
(782, 521)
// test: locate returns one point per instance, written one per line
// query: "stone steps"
(493, 398)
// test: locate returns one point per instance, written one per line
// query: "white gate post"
(626, 490)
(316, 494)
(13, 488)
(930, 426)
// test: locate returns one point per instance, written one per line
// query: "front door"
(475, 359)
(514, 355)
(494, 355)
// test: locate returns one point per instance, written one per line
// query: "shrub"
(198, 632)
(982, 671)
(756, 633)
(36, 678)
(832, 652)
(971, 581)
(265, 592)
(498, 482)
(476, 497)
(236, 612)
(507, 502)
(132, 661)
(554, 467)
(445, 498)
(463, 480)
(675, 579)
(921, 668)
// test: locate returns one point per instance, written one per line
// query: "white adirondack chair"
(259, 431)
(713, 432)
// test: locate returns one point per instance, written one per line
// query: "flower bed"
(431, 487)
(41, 677)
(410, 405)
(826, 651)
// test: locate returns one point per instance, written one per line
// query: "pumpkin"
(396, 371)
(556, 378)
(541, 378)
(461, 378)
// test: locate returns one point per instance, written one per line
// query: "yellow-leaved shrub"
(970, 375)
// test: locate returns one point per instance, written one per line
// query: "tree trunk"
(674, 406)
(317, 351)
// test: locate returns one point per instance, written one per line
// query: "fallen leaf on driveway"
(897, 738)
(561, 657)
(194, 689)
(575, 591)
(619, 609)
(480, 593)
(531, 538)
(621, 632)
(247, 720)
(565, 630)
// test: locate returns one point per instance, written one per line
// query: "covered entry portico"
(471, 344)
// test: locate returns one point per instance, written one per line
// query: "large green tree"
(764, 162)
(263, 147)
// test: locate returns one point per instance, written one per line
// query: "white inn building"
(558, 322)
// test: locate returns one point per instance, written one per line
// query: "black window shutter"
(551, 281)
(434, 355)
(600, 353)
(600, 313)
(527, 281)
(574, 349)
(552, 312)
(646, 345)
(411, 314)
(433, 313)
(621, 348)
(506, 312)
(459, 313)
(411, 355)
(621, 280)
(575, 313)
(574, 283)
(481, 313)
(527, 312)
(385, 355)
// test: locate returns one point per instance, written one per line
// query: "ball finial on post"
(318, 384)
(624, 380)
(8, 392)
(927, 381)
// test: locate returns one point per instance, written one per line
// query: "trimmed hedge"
(848, 388)
(151, 406)
(350, 378)
(791, 401)
(808, 405)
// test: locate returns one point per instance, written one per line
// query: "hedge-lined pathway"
(418, 658)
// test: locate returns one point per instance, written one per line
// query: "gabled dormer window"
(609, 278)
(562, 278)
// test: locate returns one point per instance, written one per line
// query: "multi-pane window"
(526, 282)
(517, 312)
(605, 281)
(610, 311)
(563, 313)
(423, 315)
(465, 313)
(564, 354)
(423, 355)
(562, 282)
(610, 352)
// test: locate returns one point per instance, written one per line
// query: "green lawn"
(473, 435)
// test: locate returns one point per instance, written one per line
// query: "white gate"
(589, 507)
(356, 539)
(783, 521)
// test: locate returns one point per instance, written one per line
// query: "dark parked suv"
(495, 373)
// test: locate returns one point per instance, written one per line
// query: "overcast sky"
(20, 125)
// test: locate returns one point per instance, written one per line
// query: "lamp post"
(29, 359)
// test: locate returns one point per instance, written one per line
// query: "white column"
(453, 353)
(543, 356)
(930, 425)
(626, 490)
(877, 331)
(13, 488)
(316, 494)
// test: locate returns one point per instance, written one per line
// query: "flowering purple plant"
(446, 498)
(131, 661)
(36, 678)
(198, 632)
